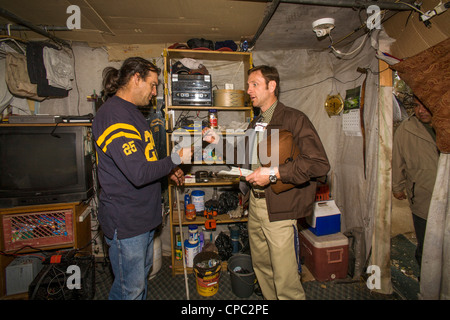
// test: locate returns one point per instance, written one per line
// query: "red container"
(325, 256)
(42, 229)
(190, 212)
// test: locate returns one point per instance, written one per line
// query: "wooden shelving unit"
(244, 60)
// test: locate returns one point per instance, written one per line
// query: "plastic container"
(326, 218)
(190, 251)
(190, 212)
(326, 257)
(242, 275)
(193, 234)
(178, 253)
(198, 199)
(178, 248)
(207, 269)
(157, 257)
(234, 232)
(187, 200)
(207, 235)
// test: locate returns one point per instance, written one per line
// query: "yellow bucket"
(207, 276)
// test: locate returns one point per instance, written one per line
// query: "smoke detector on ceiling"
(322, 27)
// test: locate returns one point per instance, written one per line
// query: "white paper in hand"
(235, 172)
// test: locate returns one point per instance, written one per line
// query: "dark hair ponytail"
(110, 80)
(114, 79)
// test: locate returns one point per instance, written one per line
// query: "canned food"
(212, 116)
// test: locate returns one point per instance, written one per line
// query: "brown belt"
(258, 195)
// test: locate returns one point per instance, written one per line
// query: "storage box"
(20, 273)
(326, 218)
(39, 229)
(325, 256)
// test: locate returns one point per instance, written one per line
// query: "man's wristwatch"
(272, 176)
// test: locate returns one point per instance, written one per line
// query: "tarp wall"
(307, 78)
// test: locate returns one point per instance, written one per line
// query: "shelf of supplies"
(208, 55)
(185, 132)
(200, 220)
(240, 63)
(214, 182)
(59, 124)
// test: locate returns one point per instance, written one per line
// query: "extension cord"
(434, 12)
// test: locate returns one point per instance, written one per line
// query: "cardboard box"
(326, 218)
(326, 257)
(21, 272)
(412, 35)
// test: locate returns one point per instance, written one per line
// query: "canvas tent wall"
(307, 77)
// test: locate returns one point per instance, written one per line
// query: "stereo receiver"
(191, 90)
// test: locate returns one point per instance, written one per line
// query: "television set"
(45, 164)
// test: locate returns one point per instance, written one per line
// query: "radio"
(191, 90)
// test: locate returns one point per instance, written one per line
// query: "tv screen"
(44, 164)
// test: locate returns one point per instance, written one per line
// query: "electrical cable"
(383, 13)
(333, 77)
(352, 52)
(318, 82)
(411, 6)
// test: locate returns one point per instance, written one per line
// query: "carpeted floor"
(163, 286)
(166, 287)
(405, 270)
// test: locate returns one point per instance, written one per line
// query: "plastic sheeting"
(435, 271)
(307, 77)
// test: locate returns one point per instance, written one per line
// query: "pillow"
(428, 75)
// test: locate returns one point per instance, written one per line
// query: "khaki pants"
(273, 254)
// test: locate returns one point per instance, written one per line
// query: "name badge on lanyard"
(260, 126)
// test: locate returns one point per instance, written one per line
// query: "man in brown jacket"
(415, 159)
(273, 217)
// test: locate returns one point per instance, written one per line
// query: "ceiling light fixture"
(323, 27)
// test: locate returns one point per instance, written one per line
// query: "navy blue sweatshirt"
(128, 170)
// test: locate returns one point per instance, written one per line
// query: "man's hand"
(210, 136)
(260, 177)
(400, 195)
(185, 154)
(177, 176)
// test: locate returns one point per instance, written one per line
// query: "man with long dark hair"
(129, 170)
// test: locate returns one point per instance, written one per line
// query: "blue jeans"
(131, 260)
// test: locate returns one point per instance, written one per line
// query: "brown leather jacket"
(303, 171)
